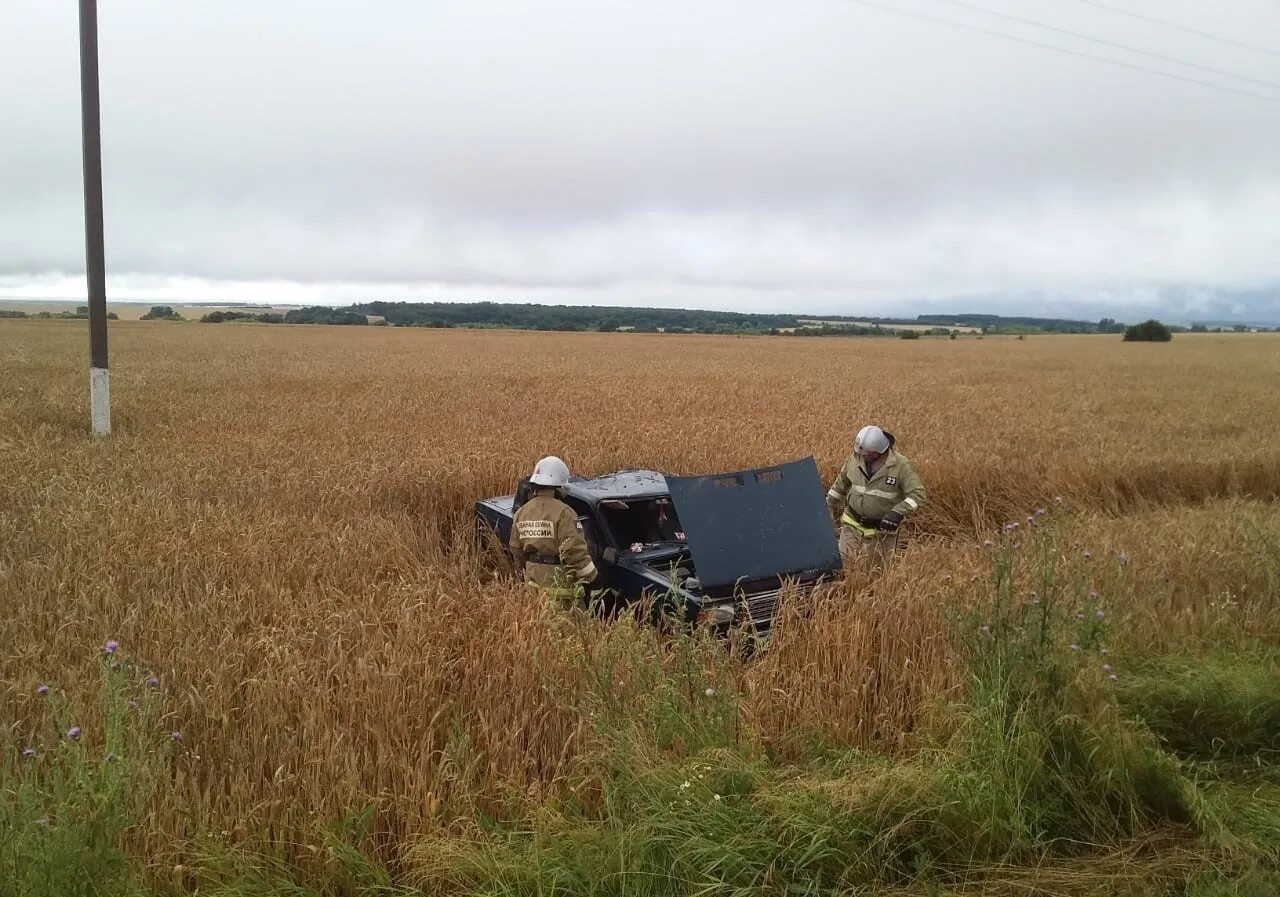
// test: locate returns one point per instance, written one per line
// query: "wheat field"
(280, 528)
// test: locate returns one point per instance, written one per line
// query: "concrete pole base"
(100, 400)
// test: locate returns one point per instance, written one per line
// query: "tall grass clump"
(1039, 741)
(72, 791)
(1222, 703)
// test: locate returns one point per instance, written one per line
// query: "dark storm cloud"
(731, 154)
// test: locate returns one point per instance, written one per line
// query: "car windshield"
(637, 523)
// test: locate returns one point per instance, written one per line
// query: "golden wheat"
(280, 527)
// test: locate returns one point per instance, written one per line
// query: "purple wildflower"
(1093, 596)
(133, 705)
(42, 690)
(111, 647)
(986, 544)
(43, 820)
(1010, 527)
(29, 753)
(1112, 677)
(1099, 614)
(1087, 555)
(73, 732)
(1057, 499)
(1123, 558)
(1040, 512)
(1103, 651)
(1031, 521)
(153, 682)
(175, 736)
(1106, 668)
(1080, 616)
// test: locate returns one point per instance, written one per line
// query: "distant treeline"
(1017, 324)
(217, 317)
(529, 316)
(82, 311)
(317, 315)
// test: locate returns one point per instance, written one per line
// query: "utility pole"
(95, 253)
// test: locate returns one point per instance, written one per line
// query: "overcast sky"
(817, 155)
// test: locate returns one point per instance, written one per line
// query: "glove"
(890, 522)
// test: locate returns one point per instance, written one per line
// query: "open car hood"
(756, 524)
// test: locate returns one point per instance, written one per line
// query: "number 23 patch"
(891, 481)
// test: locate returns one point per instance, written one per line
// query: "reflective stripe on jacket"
(895, 486)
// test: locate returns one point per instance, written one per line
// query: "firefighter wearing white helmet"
(876, 489)
(547, 542)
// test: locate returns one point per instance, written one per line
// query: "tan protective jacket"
(547, 541)
(895, 486)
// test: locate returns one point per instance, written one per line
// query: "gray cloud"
(740, 155)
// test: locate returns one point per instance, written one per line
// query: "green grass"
(1224, 702)
(69, 794)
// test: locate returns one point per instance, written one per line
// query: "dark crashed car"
(719, 549)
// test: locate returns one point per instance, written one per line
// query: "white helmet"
(550, 471)
(870, 441)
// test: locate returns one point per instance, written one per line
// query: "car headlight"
(721, 614)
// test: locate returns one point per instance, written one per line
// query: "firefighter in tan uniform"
(875, 490)
(547, 542)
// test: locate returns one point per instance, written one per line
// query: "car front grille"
(761, 606)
